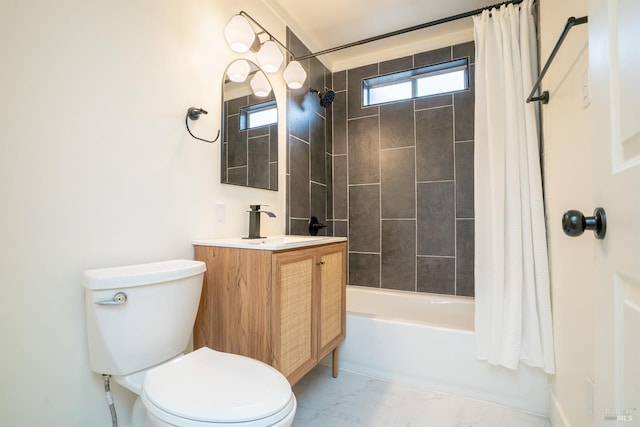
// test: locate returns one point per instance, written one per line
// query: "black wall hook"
(194, 114)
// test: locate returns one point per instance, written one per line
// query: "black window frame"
(413, 75)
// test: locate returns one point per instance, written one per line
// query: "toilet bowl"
(139, 321)
(211, 388)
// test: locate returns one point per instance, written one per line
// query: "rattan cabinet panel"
(332, 301)
(294, 342)
(286, 308)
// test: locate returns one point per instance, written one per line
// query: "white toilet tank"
(140, 315)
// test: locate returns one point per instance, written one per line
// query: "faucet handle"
(314, 226)
(256, 209)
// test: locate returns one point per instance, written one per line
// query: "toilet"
(139, 323)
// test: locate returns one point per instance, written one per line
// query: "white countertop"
(272, 243)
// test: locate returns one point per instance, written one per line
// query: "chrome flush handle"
(118, 299)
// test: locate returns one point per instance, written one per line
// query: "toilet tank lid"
(141, 274)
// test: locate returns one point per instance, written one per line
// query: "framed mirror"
(250, 128)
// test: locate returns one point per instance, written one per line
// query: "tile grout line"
(455, 198)
(346, 182)
(379, 188)
(415, 188)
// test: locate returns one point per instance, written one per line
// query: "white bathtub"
(427, 341)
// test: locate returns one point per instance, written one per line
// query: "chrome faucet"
(254, 221)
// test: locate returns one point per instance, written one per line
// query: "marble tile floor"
(356, 401)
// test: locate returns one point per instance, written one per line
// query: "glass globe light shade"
(260, 85)
(238, 70)
(269, 57)
(239, 34)
(294, 75)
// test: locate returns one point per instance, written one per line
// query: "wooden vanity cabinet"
(286, 308)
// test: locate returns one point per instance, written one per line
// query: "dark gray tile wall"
(364, 218)
(396, 179)
(398, 183)
(309, 149)
(436, 218)
(397, 125)
(403, 182)
(364, 151)
(300, 185)
(354, 96)
(364, 269)
(398, 268)
(434, 144)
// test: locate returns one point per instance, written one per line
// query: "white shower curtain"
(513, 307)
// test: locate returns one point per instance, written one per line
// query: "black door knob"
(574, 223)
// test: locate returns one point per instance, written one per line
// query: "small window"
(258, 115)
(436, 79)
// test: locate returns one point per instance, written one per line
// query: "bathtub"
(427, 341)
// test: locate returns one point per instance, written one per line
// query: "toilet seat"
(211, 388)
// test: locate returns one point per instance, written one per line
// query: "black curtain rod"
(406, 30)
(544, 98)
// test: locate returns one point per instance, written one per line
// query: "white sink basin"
(273, 243)
(284, 240)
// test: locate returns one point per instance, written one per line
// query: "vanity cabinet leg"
(334, 363)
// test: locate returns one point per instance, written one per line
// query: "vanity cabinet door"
(293, 321)
(331, 284)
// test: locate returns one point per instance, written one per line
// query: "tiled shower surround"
(403, 181)
(309, 165)
(402, 176)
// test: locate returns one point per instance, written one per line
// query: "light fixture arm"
(194, 114)
(271, 36)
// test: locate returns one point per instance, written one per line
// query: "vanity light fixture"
(242, 38)
(260, 85)
(238, 70)
(294, 75)
(239, 34)
(269, 57)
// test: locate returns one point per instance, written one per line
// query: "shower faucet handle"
(315, 226)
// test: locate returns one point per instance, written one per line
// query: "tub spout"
(254, 221)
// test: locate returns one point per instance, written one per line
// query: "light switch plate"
(220, 213)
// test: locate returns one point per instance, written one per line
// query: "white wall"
(568, 178)
(97, 169)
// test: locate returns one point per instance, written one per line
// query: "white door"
(614, 56)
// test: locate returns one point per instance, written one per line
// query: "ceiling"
(325, 24)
